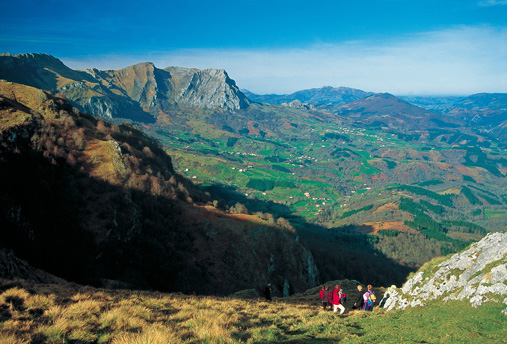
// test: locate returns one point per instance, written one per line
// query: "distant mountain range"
(386, 110)
(143, 93)
(485, 111)
(380, 110)
(317, 96)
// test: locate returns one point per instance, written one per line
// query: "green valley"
(327, 169)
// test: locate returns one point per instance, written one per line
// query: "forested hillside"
(101, 204)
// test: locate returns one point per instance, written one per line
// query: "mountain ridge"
(326, 95)
(138, 92)
(385, 109)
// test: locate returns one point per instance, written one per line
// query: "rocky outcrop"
(478, 274)
(297, 104)
(210, 88)
(138, 92)
(11, 267)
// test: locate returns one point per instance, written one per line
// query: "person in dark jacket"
(358, 303)
(267, 292)
(324, 296)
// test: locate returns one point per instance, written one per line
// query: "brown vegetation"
(101, 202)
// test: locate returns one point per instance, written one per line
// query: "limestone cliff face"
(138, 92)
(478, 274)
(208, 88)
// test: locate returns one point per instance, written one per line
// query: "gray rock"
(474, 274)
(209, 88)
(298, 104)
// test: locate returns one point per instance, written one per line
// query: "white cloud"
(492, 2)
(461, 60)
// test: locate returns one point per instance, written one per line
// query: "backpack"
(343, 299)
(371, 299)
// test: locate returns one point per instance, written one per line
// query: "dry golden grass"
(14, 296)
(154, 334)
(105, 158)
(99, 316)
(42, 302)
(73, 314)
(11, 339)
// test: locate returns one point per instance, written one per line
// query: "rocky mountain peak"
(207, 88)
(138, 92)
(478, 274)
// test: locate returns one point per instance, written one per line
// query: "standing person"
(369, 299)
(324, 296)
(359, 300)
(267, 292)
(336, 301)
(343, 297)
(323, 306)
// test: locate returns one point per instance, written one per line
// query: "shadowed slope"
(98, 203)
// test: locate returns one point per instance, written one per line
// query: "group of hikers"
(336, 298)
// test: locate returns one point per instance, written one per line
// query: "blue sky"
(454, 47)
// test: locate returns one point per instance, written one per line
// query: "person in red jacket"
(324, 296)
(336, 299)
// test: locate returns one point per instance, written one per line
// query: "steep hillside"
(141, 92)
(493, 101)
(478, 274)
(500, 131)
(101, 204)
(486, 112)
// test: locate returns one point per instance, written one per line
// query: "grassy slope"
(73, 314)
